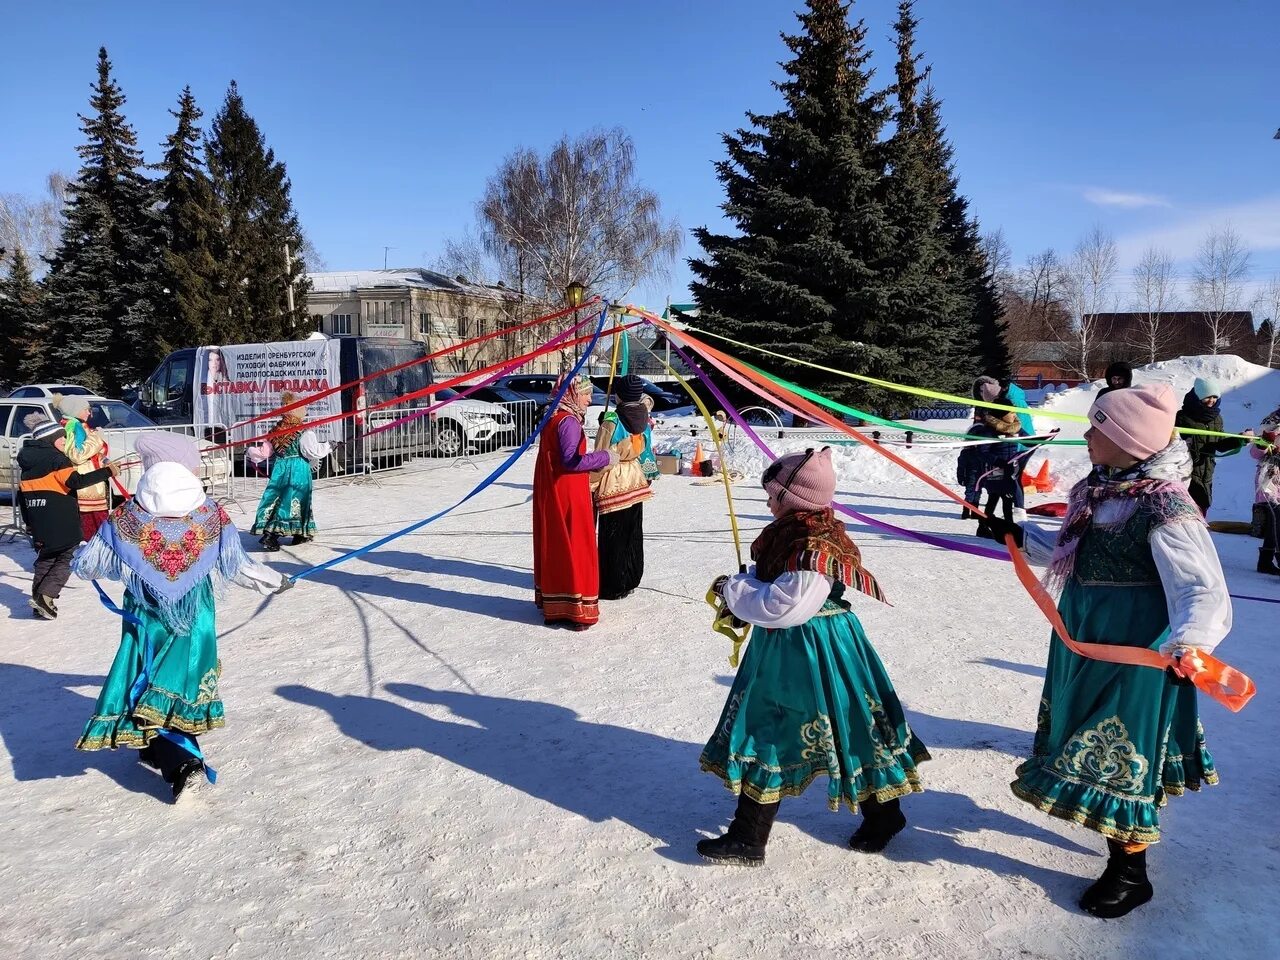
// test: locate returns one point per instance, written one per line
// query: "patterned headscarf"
(577, 397)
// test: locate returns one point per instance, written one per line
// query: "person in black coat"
(1200, 412)
(1119, 377)
(47, 499)
(992, 468)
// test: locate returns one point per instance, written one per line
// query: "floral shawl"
(812, 540)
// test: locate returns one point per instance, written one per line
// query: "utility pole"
(384, 256)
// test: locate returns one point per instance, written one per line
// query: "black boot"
(881, 822)
(1122, 887)
(189, 778)
(1267, 562)
(147, 755)
(271, 543)
(744, 842)
(299, 540)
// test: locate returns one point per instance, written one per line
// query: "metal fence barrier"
(217, 472)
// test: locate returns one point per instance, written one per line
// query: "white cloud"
(1256, 221)
(1127, 201)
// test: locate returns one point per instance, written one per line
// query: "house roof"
(1185, 333)
(396, 278)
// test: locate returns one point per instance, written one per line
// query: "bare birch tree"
(1218, 282)
(1091, 274)
(1155, 293)
(577, 214)
(1268, 302)
(34, 223)
(1032, 302)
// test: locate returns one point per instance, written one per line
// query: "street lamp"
(575, 294)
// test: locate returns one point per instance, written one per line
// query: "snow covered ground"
(414, 766)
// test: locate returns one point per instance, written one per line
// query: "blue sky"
(1153, 119)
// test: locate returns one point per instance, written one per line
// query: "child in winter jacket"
(993, 468)
(87, 449)
(47, 493)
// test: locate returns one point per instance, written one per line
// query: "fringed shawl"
(812, 540)
(162, 560)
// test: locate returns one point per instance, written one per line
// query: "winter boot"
(1267, 562)
(299, 540)
(1122, 887)
(188, 779)
(271, 543)
(881, 822)
(147, 755)
(44, 607)
(744, 842)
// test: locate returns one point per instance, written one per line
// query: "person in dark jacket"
(992, 468)
(1200, 412)
(1119, 377)
(51, 511)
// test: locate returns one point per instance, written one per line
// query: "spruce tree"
(986, 350)
(802, 275)
(101, 287)
(252, 190)
(22, 324)
(191, 223)
(926, 322)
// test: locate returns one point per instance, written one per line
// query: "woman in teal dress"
(285, 508)
(173, 548)
(1137, 568)
(811, 697)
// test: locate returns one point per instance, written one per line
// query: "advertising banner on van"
(236, 383)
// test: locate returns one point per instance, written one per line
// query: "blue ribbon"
(143, 681)
(487, 481)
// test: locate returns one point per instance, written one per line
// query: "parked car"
(120, 424)
(540, 388)
(663, 400)
(46, 390)
(469, 424)
(522, 409)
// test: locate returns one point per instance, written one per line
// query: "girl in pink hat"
(811, 697)
(1136, 567)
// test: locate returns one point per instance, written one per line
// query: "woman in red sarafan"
(566, 572)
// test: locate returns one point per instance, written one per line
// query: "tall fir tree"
(22, 324)
(926, 321)
(252, 191)
(101, 289)
(191, 224)
(802, 275)
(987, 351)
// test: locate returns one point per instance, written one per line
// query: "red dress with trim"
(566, 572)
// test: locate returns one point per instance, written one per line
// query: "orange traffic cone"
(1044, 481)
(695, 468)
(1028, 480)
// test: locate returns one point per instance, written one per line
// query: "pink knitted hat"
(801, 481)
(1138, 420)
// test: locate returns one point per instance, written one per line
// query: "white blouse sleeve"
(1194, 587)
(1038, 543)
(786, 602)
(258, 576)
(311, 447)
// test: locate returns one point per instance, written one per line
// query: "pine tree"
(987, 351)
(926, 322)
(191, 224)
(21, 324)
(252, 190)
(802, 275)
(101, 287)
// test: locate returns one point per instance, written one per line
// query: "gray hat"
(47, 429)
